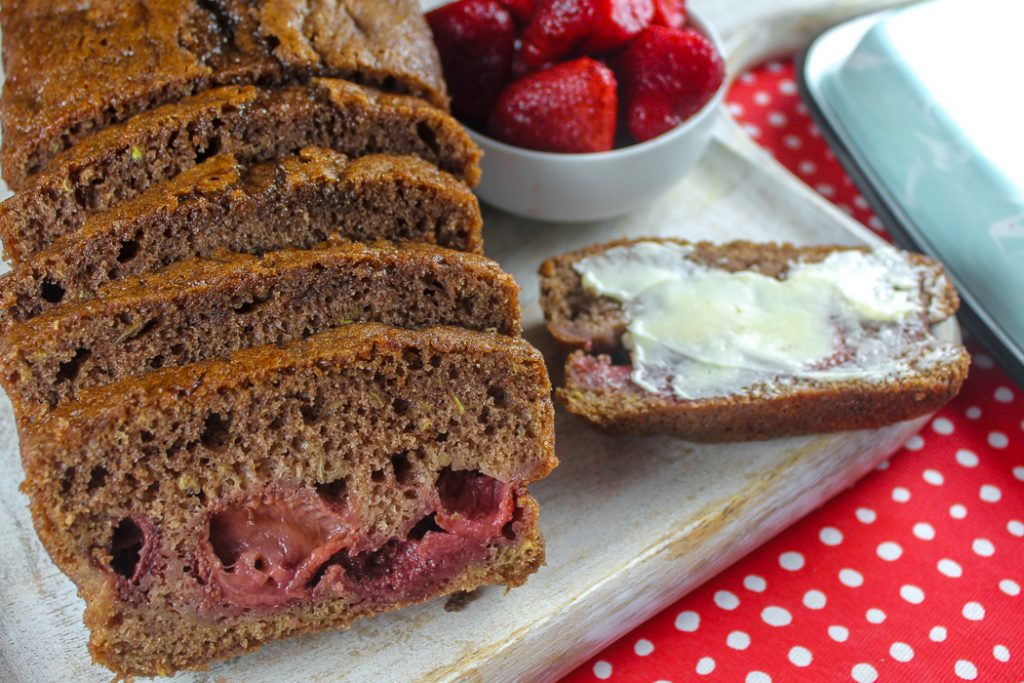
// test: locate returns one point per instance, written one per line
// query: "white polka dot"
(643, 647)
(942, 425)
(838, 633)
(726, 600)
(738, 640)
(735, 109)
(807, 167)
(792, 142)
(864, 673)
(937, 634)
(983, 547)
(957, 511)
(774, 67)
(800, 656)
(1010, 587)
(967, 458)
(787, 87)
(889, 551)
(997, 440)
(882, 466)
(900, 494)
(875, 616)
(845, 209)
(753, 582)
(901, 652)
(1004, 394)
(776, 616)
(860, 202)
(912, 594)
(830, 536)
(950, 568)
(602, 670)
(762, 98)
(758, 677)
(875, 224)
(1018, 473)
(933, 477)
(973, 611)
(791, 561)
(924, 531)
(1015, 527)
(815, 132)
(1001, 653)
(990, 493)
(752, 130)
(687, 621)
(983, 361)
(866, 515)
(705, 666)
(965, 670)
(973, 413)
(747, 77)
(777, 119)
(814, 599)
(851, 578)
(914, 443)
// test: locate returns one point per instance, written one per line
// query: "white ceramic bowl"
(587, 187)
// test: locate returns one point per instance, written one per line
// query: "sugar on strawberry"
(476, 42)
(569, 107)
(667, 76)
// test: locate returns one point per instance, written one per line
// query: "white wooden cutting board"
(631, 523)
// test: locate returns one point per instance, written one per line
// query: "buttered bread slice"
(295, 202)
(741, 341)
(205, 510)
(207, 308)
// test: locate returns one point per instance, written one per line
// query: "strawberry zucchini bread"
(744, 341)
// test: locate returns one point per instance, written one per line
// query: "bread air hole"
(216, 432)
(51, 292)
(126, 548)
(68, 370)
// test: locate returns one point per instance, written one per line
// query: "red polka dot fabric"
(914, 574)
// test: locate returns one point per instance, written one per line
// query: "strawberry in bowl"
(585, 109)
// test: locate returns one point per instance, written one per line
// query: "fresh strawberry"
(613, 22)
(555, 28)
(476, 41)
(671, 13)
(570, 107)
(668, 74)
(522, 10)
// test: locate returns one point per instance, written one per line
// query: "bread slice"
(73, 71)
(207, 308)
(295, 202)
(391, 465)
(600, 388)
(254, 124)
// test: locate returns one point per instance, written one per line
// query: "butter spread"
(699, 332)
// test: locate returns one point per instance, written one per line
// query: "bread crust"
(601, 392)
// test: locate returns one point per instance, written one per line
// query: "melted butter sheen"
(701, 332)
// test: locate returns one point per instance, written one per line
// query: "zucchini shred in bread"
(207, 509)
(252, 124)
(115, 59)
(606, 391)
(296, 202)
(207, 308)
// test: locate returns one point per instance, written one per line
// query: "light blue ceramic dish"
(924, 105)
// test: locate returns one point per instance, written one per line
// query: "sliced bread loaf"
(295, 202)
(205, 510)
(73, 70)
(207, 308)
(253, 124)
(871, 372)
